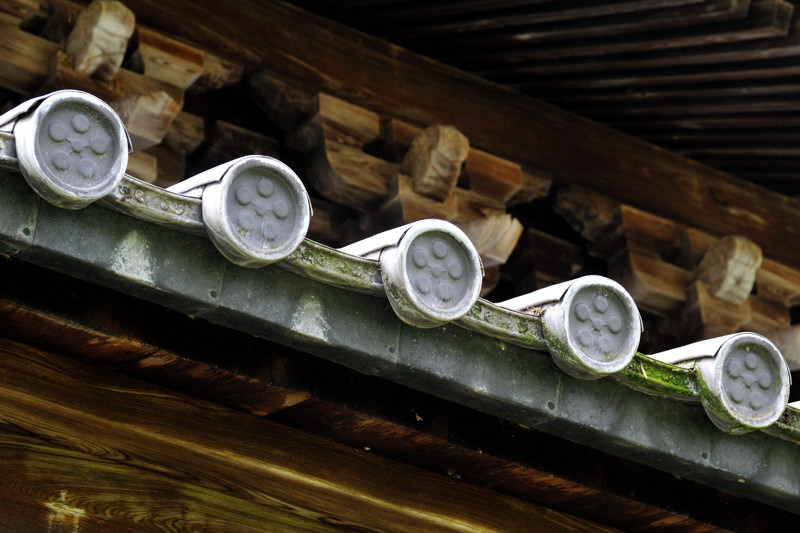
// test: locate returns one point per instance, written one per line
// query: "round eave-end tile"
(750, 387)
(259, 214)
(595, 329)
(72, 149)
(433, 275)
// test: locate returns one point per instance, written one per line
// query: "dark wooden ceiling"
(715, 80)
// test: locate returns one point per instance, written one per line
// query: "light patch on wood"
(63, 517)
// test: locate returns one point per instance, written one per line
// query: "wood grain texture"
(99, 38)
(243, 457)
(61, 490)
(434, 160)
(321, 55)
(26, 67)
(169, 60)
(125, 85)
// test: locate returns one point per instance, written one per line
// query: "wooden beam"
(405, 205)
(186, 133)
(494, 236)
(227, 141)
(62, 75)
(656, 286)
(434, 160)
(535, 185)
(114, 418)
(518, 28)
(729, 268)
(763, 19)
(169, 60)
(143, 166)
(492, 176)
(348, 176)
(25, 66)
(98, 41)
(323, 56)
(147, 117)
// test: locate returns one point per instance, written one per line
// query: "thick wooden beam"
(26, 68)
(434, 160)
(147, 117)
(98, 41)
(132, 424)
(323, 56)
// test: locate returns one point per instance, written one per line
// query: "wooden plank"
(492, 176)
(71, 491)
(766, 316)
(396, 15)
(319, 55)
(98, 41)
(215, 384)
(712, 56)
(490, 281)
(287, 105)
(693, 244)
(592, 215)
(546, 253)
(71, 317)
(711, 106)
(242, 456)
(472, 206)
(171, 165)
(787, 340)
(649, 234)
(169, 60)
(22, 514)
(326, 224)
(218, 72)
(396, 136)
(20, 8)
